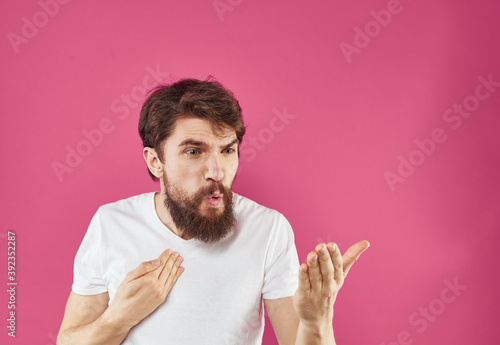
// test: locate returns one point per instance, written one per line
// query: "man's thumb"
(142, 269)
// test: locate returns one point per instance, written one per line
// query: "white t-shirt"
(219, 297)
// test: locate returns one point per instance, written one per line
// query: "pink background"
(352, 119)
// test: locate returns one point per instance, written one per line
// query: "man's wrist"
(315, 333)
(317, 329)
(108, 322)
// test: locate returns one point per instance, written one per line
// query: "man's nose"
(214, 169)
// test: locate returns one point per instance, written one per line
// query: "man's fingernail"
(324, 250)
(155, 262)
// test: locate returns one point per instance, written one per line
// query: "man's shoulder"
(260, 224)
(248, 207)
(130, 204)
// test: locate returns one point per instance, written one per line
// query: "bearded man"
(216, 258)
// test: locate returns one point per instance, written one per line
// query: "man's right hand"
(143, 290)
(89, 319)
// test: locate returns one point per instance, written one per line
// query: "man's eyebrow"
(235, 141)
(193, 142)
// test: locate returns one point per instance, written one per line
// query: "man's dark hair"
(207, 100)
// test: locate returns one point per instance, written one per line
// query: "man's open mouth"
(214, 199)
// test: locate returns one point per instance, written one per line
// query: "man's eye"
(229, 150)
(192, 152)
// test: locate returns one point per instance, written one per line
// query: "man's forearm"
(100, 332)
(312, 335)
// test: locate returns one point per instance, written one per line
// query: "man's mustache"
(210, 189)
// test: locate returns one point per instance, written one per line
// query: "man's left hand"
(320, 280)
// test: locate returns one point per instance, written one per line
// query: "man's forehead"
(202, 130)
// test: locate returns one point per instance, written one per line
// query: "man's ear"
(153, 162)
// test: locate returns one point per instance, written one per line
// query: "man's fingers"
(325, 265)
(352, 254)
(304, 283)
(142, 269)
(163, 261)
(338, 273)
(170, 267)
(314, 271)
(172, 278)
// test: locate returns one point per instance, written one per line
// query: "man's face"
(199, 170)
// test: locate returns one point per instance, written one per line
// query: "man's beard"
(185, 212)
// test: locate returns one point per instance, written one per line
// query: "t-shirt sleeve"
(87, 272)
(282, 263)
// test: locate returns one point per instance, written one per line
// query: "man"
(237, 256)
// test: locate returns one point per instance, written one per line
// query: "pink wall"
(366, 120)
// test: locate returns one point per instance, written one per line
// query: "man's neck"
(164, 215)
